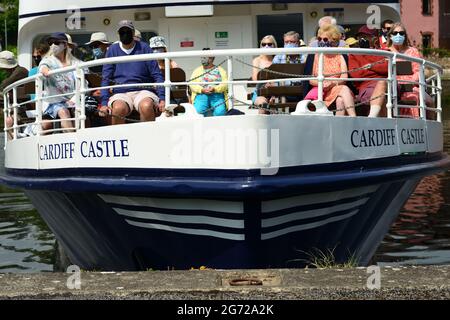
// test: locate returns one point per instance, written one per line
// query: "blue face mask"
(98, 53)
(291, 45)
(323, 44)
(398, 39)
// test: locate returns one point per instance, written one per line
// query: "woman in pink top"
(334, 66)
(398, 42)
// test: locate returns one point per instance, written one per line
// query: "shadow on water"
(420, 235)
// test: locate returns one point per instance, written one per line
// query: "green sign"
(221, 34)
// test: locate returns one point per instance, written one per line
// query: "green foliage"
(436, 52)
(325, 259)
(11, 8)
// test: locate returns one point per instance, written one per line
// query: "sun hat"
(70, 42)
(367, 31)
(98, 37)
(7, 60)
(351, 41)
(157, 42)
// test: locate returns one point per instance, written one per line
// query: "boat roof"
(33, 8)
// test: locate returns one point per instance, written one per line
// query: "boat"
(233, 192)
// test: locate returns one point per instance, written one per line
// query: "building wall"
(444, 24)
(417, 24)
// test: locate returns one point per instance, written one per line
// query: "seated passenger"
(40, 51)
(262, 62)
(58, 57)
(386, 26)
(99, 44)
(398, 42)
(211, 97)
(158, 45)
(368, 90)
(137, 35)
(291, 40)
(14, 72)
(125, 100)
(323, 22)
(334, 91)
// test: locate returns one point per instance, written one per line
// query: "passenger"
(99, 44)
(125, 100)
(211, 97)
(334, 91)
(262, 62)
(385, 28)
(291, 40)
(351, 43)
(368, 90)
(14, 72)
(323, 22)
(40, 51)
(398, 42)
(158, 45)
(58, 57)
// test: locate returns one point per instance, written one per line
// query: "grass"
(325, 259)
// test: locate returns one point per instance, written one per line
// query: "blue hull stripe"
(233, 184)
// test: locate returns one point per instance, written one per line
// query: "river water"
(420, 236)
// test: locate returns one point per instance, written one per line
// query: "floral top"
(212, 76)
(413, 52)
(58, 83)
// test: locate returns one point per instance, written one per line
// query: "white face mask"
(57, 49)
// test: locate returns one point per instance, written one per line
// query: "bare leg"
(378, 105)
(349, 101)
(147, 110)
(340, 107)
(119, 109)
(67, 125)
(9, 124)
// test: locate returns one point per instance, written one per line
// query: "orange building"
(427, 22)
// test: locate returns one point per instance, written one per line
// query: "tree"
(11, 12)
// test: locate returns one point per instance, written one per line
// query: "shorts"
(53, 109)
(366, 94)
(134, 98)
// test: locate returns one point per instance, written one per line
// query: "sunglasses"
(270, 44)
(402, 33)
(323, 39)
(56, 42)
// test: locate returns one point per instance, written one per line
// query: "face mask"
(98, 53)
(57, 49)
(323, 44)
(37, 60)
(398, 39)
(204, 61)
(364, 43)
(126, 38)
(291, 45)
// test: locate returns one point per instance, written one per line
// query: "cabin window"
(278, 25)
(427, 8)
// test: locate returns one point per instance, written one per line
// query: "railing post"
(230, 84)
(422, 93)
(439, 96)
(394, 85)
(167, 80)
(389, 90)
(80, 97)
(39, 85)
(15, 113)
(320, 77)
(5, 116)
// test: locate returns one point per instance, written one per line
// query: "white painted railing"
(11, 109)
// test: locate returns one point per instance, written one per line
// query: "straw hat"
(7, 60)
(98, 37)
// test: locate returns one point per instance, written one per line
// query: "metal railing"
(11, 105)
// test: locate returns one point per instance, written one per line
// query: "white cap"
(157, 42)
(137, 34)
(7, 60)
(69, 41)
(98, 37)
